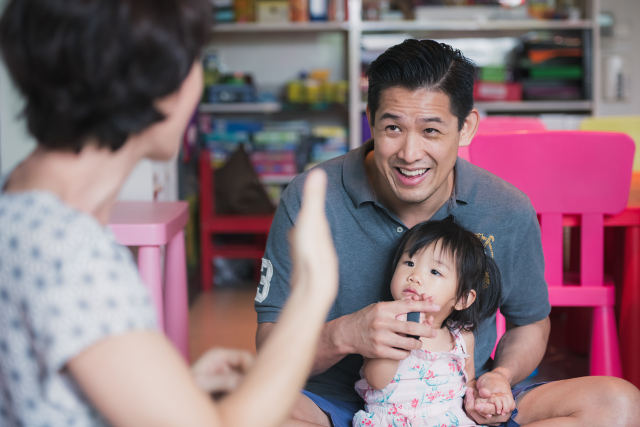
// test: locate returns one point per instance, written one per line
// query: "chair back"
(502, 124)
(564, 172)
(625, 124)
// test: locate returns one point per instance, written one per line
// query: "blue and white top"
(65, 284)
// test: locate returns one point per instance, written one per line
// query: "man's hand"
(489, 400)
(220, 370)
(378, 331)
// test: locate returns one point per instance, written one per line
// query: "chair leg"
(605, 352)
(501, 328)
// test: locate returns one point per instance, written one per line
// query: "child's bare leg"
(585, 401)
(306, 413)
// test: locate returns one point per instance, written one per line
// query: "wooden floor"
(225, 317)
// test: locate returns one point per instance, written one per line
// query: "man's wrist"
(504, 373)
(336, 337)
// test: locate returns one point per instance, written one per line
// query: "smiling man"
(420, 108)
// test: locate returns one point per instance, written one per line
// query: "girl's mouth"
(410, 291)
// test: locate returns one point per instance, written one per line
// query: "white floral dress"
(427, 390)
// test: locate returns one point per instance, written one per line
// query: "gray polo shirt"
(366, 234)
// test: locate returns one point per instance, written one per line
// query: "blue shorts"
(341, 413)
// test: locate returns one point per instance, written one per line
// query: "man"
(420, 107)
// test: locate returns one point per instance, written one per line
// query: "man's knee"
(621, 401)
(307, 411)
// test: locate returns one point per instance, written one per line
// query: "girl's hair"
(475, 270)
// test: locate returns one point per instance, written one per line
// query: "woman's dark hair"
(415, 64)
(475, 270)
(92, 69)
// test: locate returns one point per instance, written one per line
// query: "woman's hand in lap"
(220, 370)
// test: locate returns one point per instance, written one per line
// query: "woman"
(107, 83)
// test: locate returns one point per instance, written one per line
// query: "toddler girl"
(443, 262)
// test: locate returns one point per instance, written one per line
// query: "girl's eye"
(409, 263)
(435, 272)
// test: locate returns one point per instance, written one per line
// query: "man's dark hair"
(415, 64)
(475, 270)
(91, 70)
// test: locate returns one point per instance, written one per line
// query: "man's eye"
(435, 272)
(392, 128)
(431, 131)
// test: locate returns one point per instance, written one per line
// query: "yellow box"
(275, 11)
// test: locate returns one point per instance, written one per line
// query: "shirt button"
(399, 229)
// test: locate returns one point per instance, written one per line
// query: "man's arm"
(519, 352)
(521, 349)
(374, 332)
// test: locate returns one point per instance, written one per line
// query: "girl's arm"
(139, 379)
(379, 372)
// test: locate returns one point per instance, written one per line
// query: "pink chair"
(502, 124)
(150, 226)
(575, 173)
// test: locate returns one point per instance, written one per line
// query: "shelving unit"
(348, 54)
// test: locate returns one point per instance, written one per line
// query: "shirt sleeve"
(273, 289)
(525, 298)
(91, 291)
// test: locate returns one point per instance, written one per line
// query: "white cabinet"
(275, 53)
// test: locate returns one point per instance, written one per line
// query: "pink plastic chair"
(570, 172)
(502, 124)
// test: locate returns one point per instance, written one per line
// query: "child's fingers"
(498, 403)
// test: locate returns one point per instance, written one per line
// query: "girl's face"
(430, 271)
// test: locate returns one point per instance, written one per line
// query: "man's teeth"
(413, 172)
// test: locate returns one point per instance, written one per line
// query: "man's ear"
(465, 302)
(368, 112)
(469, 128)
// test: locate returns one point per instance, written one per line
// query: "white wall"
(15, 142)
(623, 47)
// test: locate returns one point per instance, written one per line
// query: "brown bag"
(238, 189)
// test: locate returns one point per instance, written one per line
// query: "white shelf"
(301, 34)
(241, 107)
(524, 106)
(535, 106)
(262, 27)
(484, 25)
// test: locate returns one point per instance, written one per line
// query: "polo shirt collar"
(357, 185)
(354, 175)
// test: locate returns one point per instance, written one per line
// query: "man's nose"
(412, 150)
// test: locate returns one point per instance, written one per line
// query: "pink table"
(149, 226)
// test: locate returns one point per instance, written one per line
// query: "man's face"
(416, 145)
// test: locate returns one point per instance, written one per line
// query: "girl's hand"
(502, 402)
(477, 402)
